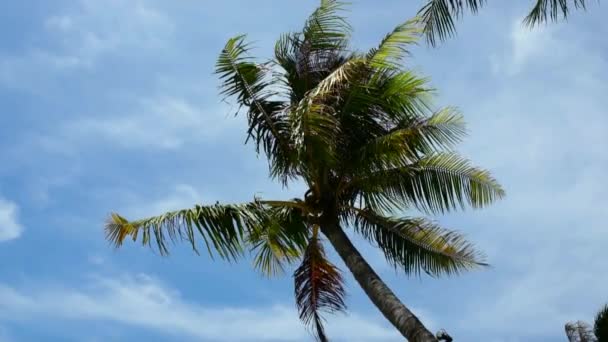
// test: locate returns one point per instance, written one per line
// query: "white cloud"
(543, 132)
(10, 228)
(95, 28)
(145, 302)
(165, 123)
(527, 44)
(84, 34)
(180, 197)
(523, 46)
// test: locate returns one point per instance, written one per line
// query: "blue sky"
(112, 106)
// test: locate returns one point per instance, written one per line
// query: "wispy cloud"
(161, 123)
(524, 46)
(10, 228)
(93, 28)
(145, 302)
(179, 197)
(542, 131)
(79, 36)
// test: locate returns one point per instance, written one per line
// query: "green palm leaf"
(415, 244)
(223, 228)
(250, 83)
(436, 183)
(326, 29)
(411, 139)
(280, 239)
(393, 48)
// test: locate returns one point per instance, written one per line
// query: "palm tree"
(582, 332)
(600, 326)
(358, 130)
(439, 15)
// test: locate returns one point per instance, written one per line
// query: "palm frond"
(403, 95)
(377, 105)
(316, 129)
(223, 228)
(553, 10)
(436, 183)
(315, 132)
(339, 78)
(411, 139)
(600, 325)
(393, 48)
(326, 29)
(314, 52)
(280, 239)
(438, 17)
(250, 83)
(318, 288)
(416, 244)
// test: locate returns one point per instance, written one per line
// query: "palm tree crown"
(358, 129)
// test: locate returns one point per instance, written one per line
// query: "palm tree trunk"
(385, 300)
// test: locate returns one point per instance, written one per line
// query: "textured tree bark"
(378, 292)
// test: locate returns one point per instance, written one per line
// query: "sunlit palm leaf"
(223, 228)
(318, 288)
(403, 95)
(436, 183)
(411, 139)
(415, 244)
(393, 48)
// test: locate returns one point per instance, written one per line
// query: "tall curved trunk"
(385, 300)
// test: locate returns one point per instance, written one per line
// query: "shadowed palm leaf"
(439, 16)
(600, 326)
(318, 287)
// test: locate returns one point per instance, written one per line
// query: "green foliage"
(435, 183)
(551, 9)
(600, 326)
(360, 131)
(416, 244)
(439, 16)
(273, 232)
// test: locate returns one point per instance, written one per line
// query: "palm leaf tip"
(439, 17)
(117, 228)
(553, 10)
(318, 287)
